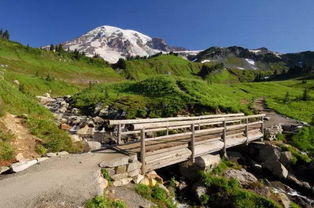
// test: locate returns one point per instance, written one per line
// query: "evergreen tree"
(306, 95)
(52, 48)
(286, 99)
(6, 35)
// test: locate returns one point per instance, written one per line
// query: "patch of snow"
(205, 61)
(241, 68)
(250, 61)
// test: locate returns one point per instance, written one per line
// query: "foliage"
(222, 192)
(40, 149)
(6, 150)
(40, 121)
(156, 194)
(104, 202)
(304, 140)
(106, 175)
(297, 155)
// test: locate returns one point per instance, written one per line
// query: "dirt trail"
(275, 118)
(24, 142)
(60, 182)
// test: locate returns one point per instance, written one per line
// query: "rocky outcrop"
(273, 131)
(242, 176)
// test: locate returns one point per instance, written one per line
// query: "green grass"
(24, 60)
(104, 202)
(40, 121)
(223, 192)
(161, 65)
(157, 195)
(304, 140)
(163, 96)
(6, 149)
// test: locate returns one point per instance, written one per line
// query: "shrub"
(103, 202)
(156, 194)
(304, 140)
(40, 149)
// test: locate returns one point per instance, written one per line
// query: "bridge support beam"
(224, 139)
(143, 151)
(192, 143)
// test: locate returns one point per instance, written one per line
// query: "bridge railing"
(191, 128)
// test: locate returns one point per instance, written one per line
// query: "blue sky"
(280, 25)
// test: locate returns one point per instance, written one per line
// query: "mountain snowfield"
(112, 43)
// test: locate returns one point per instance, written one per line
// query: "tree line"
(4, 34)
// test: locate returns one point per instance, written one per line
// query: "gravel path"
(275, 118)
(60, 182)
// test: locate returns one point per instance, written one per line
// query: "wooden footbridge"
(160, 142)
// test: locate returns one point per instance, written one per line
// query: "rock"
(285, 158)
(45, 100)
(20, 166)
(75, 138)
(200, 191)
(16, 82)
(276, 168)
(285, 201)
(75, 111)
(119, 176)
(133, 166)
(4, 169)
(63, 153)
(115, 163)
(269, 152)
(121, 169)
(148, 182)
(65, 126)
(41, 159)
(207, 162)
(133, 158)
(152, 175)
(242, 176)
(271, 133)
(98, 120)
(51, 154)
(134, 173)
(110, 171)
(93, 145)
(137, 179)
(266, 118)
(47, 95)
(301, 184)
(85, 131)
(19, 157)
(122, 182)
(63, 109)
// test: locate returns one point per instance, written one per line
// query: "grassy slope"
(31, 61)
(162, 65)
(169, 96)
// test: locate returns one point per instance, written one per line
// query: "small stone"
(137, 179)
(51, 154)
(122, 182)
(134, 173)
(65, 126)
(121, 169)
(62, 153)
(119, 176)
(4, 169)
(98, 120)
(42, 159)
(19, 157)
(93, 145)
(20, 166)
(47, 95)
(75, 138)
(16, 82)
(134, 166)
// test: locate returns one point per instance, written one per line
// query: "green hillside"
(169, 96)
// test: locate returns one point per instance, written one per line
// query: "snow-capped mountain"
(112, 43)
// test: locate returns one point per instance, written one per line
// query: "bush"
(41, 150)
(103, 202)
(304, 140)
(106, 175)
(157, 195)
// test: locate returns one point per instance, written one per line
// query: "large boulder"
(273, 131)
(245, 178)
(286, 158)
(93, 145)
(276, 168)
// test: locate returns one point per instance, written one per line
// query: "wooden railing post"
(119, 134)
(192, 144)
(143, 151)
(224, 138)
(262, 129)
(247, 130)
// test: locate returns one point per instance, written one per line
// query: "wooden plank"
(119, 134)
(143, 151)
(224, 139)
(181, 123)
(192, 145)
(151, 120)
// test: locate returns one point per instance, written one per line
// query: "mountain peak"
(112, 43)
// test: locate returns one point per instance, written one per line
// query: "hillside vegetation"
(169, 96)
